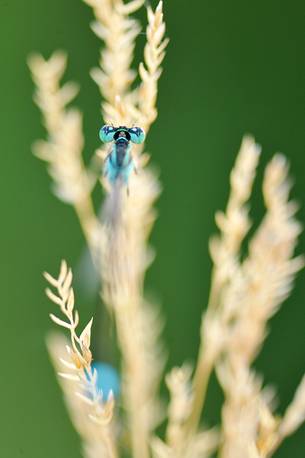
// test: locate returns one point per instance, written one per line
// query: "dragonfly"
(119, 163)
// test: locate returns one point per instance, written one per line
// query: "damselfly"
(119, 163)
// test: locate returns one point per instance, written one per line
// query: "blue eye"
(106, 133)
(137, 135)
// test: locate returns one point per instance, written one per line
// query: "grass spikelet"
(122, 237)
(118, 30)
(150, 71)
(125, 259)
(63, 148)
(73, 363)
(292, 419)
(269, 271)
(244, 295)
(91, 415)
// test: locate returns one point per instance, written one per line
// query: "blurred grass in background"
(231, 68)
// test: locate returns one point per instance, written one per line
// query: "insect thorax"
(122, 150)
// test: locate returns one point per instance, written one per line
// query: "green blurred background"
(231, 68)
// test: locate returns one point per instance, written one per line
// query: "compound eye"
(137, 135)
(106, 133)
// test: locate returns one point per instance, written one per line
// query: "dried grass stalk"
(91, 414)
(125, 258)
(199, 445)
(120, 250)
(234, 225)
(63, 148)
(244, 295)
(118, 30)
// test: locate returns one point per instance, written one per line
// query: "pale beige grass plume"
(245, 293)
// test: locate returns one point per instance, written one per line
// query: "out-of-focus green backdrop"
(231, 68)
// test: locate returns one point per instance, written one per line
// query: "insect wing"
(137, 135)
(106, 133)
